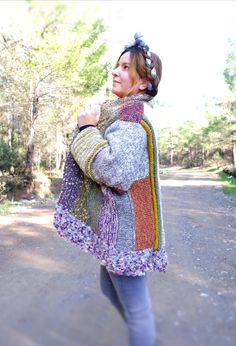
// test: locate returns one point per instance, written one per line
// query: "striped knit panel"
(149, 121)
(71, 183)
(125, 234)
(87, 206)
(152, 159)
(141, 193)
(85, 146)
(108, 218)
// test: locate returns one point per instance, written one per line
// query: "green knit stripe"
(85, 147)
(157, 181)
(152, 173)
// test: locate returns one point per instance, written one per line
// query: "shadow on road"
(50, 292)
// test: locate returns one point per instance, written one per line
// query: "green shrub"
(10, 158)
(229, 183)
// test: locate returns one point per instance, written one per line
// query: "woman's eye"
(126, 67)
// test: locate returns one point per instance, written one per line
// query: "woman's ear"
(143, 84)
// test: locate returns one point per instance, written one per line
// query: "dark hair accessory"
(139, 43)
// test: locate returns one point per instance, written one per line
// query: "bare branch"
(46, 27)
(41, 79)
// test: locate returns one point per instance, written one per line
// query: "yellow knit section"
(152, 177)
(88, 170)
(85, 146)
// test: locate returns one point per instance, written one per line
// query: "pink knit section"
(132, 111)
(143, 214)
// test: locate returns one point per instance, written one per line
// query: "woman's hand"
(89, 115)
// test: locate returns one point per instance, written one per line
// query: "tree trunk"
(30, 152)
(9, 130)
(234, 153)
(30, 145)
(171, 157)
(203, 155)
(171, 150)
(59, 150)
(10, 125)
(190, 158)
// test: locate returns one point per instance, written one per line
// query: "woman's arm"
(117, 159)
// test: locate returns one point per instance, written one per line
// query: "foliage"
(230, 105)
(44, 79)
(7, 206)
(229, 184)
(10, 158)
(191, 145)
(230, 70)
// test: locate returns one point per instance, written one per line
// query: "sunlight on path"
(190, 178)
(189, 182)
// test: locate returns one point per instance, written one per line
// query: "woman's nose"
(115, 72)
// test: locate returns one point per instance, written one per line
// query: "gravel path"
(49, 291)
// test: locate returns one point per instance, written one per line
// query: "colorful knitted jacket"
(110, 202)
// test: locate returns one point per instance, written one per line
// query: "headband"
(138, 42)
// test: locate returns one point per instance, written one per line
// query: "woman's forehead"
(125, 58)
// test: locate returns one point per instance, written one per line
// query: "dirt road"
(49, 290)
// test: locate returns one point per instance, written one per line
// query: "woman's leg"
(109, 291)
(134, 296)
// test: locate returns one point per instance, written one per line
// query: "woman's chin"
(116, 92)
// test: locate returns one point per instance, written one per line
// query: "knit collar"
(110, 109)
(120, 101)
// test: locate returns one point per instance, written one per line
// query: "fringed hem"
(132, 263)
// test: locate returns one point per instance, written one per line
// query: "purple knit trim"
(72, 180)
(132, 111)
(108, 219)
(132, 263)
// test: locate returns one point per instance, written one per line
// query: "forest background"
(55, 56)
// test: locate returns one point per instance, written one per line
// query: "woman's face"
(121, 78)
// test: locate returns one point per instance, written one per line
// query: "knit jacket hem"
(131, 263)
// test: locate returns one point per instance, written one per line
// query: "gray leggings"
(130, 296)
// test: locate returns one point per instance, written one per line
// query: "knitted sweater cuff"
(85, 127)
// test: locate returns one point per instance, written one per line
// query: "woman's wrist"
(83, 127)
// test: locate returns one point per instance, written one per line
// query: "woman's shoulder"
(132, 110)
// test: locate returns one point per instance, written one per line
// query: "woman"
(110, 200)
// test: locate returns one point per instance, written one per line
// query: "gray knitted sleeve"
(124, 159)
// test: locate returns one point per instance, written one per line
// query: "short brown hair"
(138, 65)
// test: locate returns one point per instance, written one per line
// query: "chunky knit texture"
(110, 202)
